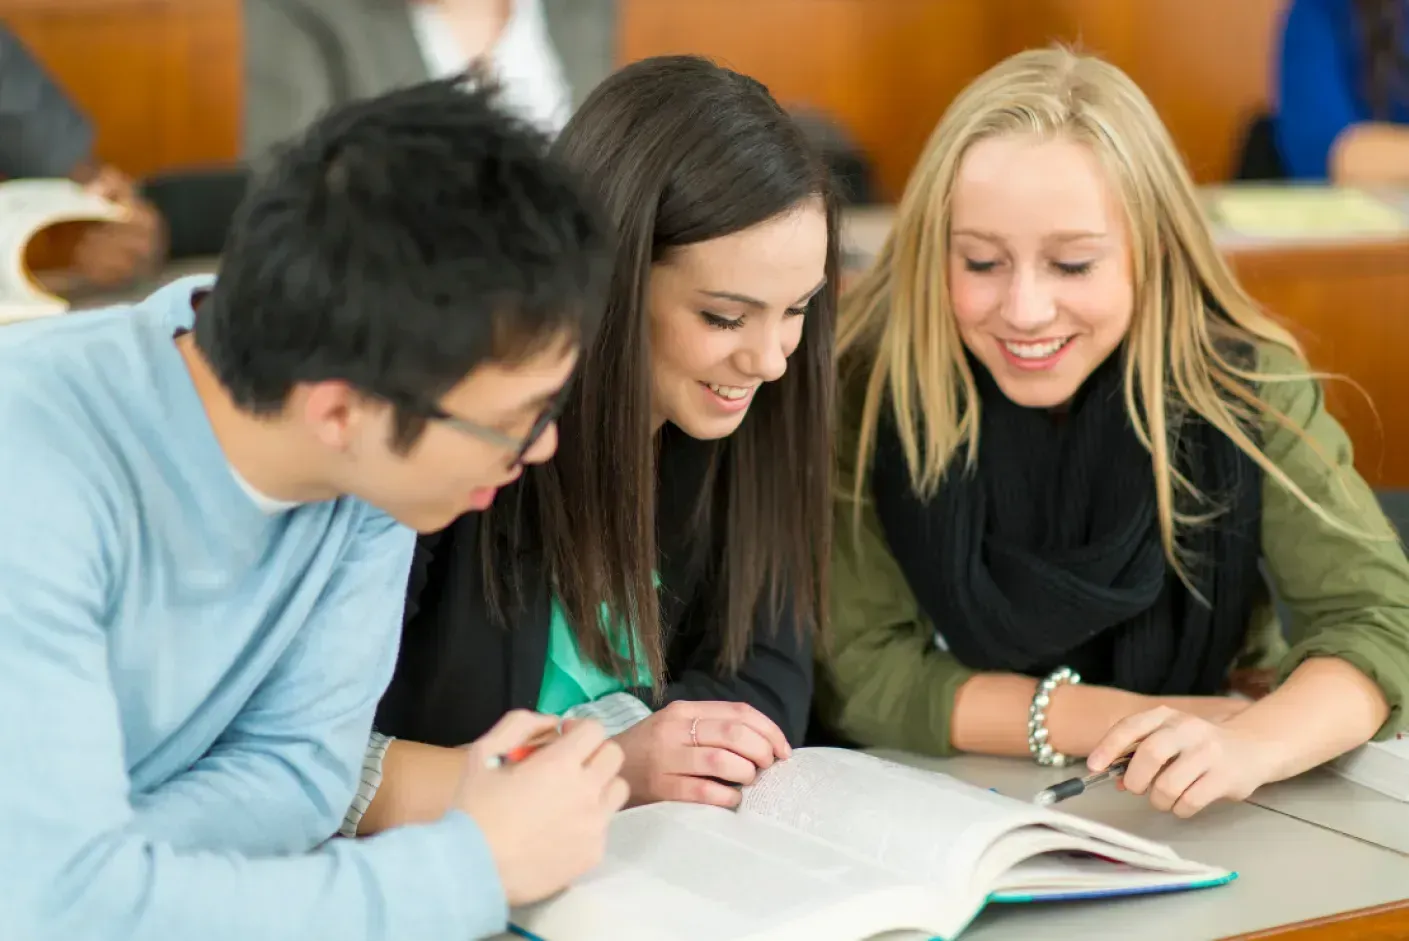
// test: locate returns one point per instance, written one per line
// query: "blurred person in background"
(304, 56)
(44, 134)
(1343, 91)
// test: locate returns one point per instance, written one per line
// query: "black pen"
(1074, 786)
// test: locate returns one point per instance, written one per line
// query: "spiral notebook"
(835, 845)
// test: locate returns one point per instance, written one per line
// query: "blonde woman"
(1070, 443)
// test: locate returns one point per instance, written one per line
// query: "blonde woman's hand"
(1184, 762)
(1211, 708)
(699, 752)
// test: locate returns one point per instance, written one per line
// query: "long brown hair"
(1383, 32)
(681, 151)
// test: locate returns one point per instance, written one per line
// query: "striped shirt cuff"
(616, 711)
(367, 786)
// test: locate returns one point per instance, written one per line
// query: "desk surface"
(864, 231)
(1326, 800)
(1289, 871)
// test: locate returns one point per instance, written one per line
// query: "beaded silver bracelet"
(1042, 751)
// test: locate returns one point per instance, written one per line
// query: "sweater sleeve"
(42, 132)
(280, 778)
(1347, 592)
(1317, 84)
(883, 681)
(79, 861)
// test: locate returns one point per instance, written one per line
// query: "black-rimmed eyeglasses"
(519, 447)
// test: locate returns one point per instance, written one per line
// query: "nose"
(765, 355)
(1031, 304)
(542, 449)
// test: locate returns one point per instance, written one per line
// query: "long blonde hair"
(899, 320)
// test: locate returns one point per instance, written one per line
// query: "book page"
(902, 818)
(1288, 211)
(687, 872)
(919, 822)
(26, 207)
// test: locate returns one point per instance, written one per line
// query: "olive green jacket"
(884, 683)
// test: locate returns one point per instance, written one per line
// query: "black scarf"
(1049, 553)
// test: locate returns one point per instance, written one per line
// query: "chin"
(709, 429)
(1037, 391)
(424, 521)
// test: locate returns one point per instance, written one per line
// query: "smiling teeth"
(730, 392)
(1035, 350)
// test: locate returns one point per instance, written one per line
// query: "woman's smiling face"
(727, 313)
(1039, 266)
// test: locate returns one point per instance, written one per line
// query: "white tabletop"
(1326, 800)
(1289, 871)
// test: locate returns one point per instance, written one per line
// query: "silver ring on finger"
(694, 731)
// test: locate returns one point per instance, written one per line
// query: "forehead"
(1023, 183)
(502, 386)
(787, 253)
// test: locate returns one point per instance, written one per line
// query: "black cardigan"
(458, 671)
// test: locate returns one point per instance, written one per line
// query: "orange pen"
(514, 755)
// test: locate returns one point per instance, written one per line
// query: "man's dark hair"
(399, 243)
(683, 151)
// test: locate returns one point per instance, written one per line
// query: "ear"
(334, 413)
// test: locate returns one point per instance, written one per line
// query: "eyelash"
(1069, 270)
(725, 323)
(722, 323)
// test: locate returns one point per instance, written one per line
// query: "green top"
(885, 684)
(568, 679)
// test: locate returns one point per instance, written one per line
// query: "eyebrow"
(1074, 235)
(535, 405)
(760, 305)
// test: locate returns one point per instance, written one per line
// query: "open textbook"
(835, 845)
(1381, 766)
(27, 207)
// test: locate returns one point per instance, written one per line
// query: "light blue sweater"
(187, 682)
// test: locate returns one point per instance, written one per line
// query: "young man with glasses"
(207, 505)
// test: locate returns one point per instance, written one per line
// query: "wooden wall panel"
(1346, 304)
(888, 68)
(162, 79)
(1207, 65)
(884, 68)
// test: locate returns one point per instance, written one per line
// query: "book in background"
(1305, 212)
(835, 845)
(1380, 766)
(41, 222)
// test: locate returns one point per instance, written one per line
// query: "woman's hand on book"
(1185, 762)
(699, 752)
